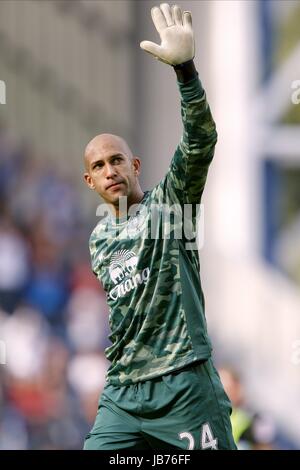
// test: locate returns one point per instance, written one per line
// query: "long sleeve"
(190, 163)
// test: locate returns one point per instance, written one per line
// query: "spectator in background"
(14, 263)
(251, 430)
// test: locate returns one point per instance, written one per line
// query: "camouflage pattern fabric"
(150, 276)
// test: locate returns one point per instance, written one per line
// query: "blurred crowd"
(53, 313)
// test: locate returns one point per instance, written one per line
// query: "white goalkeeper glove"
(176, 33)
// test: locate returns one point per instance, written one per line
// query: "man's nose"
(109, 171)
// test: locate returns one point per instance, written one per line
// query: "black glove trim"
(186, 72)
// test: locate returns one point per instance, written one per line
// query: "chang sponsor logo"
(122, 273)
(123, 262)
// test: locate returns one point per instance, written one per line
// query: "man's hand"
(176, 33)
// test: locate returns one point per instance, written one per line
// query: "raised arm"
(188, 170)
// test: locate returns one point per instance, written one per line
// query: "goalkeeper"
(162, 390)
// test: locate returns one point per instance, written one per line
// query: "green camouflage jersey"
(148, 263)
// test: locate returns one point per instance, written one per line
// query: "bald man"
(112, 171)
(162, 390)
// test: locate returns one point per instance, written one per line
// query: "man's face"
(110, 168)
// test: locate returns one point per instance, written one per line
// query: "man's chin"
(118, 197)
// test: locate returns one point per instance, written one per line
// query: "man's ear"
(88, 180)
(136, 162)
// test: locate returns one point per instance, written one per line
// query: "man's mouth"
(114, 185)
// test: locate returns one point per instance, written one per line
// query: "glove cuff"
(186, 72)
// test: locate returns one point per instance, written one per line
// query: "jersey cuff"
(186, 72)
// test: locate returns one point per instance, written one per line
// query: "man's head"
(111, 169)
